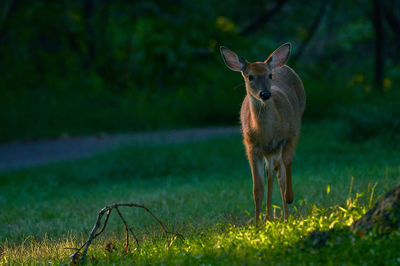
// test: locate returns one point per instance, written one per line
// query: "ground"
(201, 189)
(22, 154)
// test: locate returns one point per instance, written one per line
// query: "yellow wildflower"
(225, 24)
(356, 79)
(387, 83)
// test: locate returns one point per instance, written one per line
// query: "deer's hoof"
(289, 197)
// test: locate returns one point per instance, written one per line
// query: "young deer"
(271, 119)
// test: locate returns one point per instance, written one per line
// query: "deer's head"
(258, 75)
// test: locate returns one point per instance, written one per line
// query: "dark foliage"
(79, 67)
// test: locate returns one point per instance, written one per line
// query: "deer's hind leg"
(282, 182)
(287, 157)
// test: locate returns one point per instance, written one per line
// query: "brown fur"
(271, 128)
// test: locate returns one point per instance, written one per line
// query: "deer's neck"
(260, 113)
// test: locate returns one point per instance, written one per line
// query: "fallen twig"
(78, 257)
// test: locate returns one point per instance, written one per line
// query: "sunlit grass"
(275, 242)
(202, 190)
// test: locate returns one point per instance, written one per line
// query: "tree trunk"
(88, 11)
(384, 216)
(379, 42)
(393, 20)
(9, 8)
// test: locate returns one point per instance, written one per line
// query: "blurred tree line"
(79, 67)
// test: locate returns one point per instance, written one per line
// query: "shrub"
(372, 119)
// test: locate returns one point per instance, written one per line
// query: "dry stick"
(74, 256)
(126, 229)
(166, 232)
(105, 223)
(134, 237)
(108, 209)
(92, 233)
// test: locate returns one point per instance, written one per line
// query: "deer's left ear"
(279, 57)
(232, 60)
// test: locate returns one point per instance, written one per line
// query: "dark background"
(84, 67)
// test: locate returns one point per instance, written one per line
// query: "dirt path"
(21, 155)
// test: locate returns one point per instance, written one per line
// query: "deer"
(270, 119)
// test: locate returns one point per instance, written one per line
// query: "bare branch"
(126, 230)
(104, 225)
(313, 29)
(134, 237)
(263, 18)
(78, 258)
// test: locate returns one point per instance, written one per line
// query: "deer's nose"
(265, 95)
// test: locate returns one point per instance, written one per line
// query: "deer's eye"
(270, 76)
(251, 77)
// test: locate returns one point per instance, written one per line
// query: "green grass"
(202, 190)
(135, 110)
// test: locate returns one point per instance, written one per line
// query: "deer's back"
(286, 81)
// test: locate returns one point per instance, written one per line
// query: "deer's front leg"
(257, 171)
(269, 169)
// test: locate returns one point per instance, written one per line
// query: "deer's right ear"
(232, 60)
(279, 57)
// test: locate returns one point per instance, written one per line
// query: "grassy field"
(202, 190)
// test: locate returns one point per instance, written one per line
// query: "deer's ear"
(279, 57)
(232, 60)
